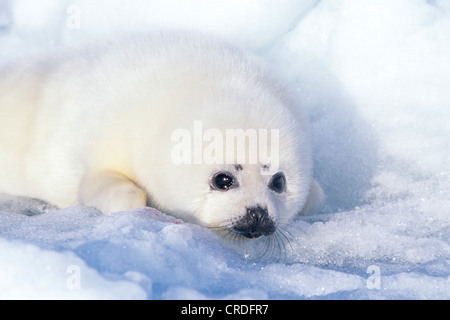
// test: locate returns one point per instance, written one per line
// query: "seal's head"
(253, 193)
(233, 153)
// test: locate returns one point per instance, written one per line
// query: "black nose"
(255, 223)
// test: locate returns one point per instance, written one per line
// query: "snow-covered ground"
(375, 77)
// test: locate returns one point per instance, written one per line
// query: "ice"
(374, 77)
(33, 273)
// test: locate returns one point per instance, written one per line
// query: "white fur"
(93, 126)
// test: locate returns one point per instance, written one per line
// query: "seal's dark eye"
(278, 182)
(223, 181)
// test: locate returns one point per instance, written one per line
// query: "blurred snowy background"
(375, 78)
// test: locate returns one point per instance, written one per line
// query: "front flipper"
(111, 192)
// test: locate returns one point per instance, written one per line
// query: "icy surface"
(375, 77)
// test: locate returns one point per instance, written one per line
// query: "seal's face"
(240, 176)
(238, 162)
(255, 220)
(243, 203)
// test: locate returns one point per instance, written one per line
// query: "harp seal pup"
(108, 126)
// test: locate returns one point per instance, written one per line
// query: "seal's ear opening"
(315, 199)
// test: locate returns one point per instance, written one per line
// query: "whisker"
(276, 246)
(281, 246)
(287, 238)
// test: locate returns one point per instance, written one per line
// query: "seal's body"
(100, 126)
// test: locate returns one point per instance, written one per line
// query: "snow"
(375, 78)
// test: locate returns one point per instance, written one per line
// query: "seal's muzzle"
(255, 223)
